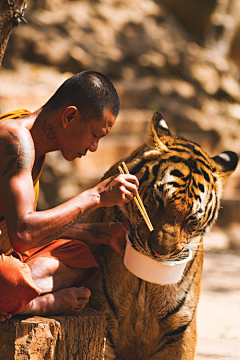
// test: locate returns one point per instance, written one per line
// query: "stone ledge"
(66, 337)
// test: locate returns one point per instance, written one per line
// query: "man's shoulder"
(16, 148)
(13, 131)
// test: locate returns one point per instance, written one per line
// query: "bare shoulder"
(17, 151)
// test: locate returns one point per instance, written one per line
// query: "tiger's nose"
(166, 242)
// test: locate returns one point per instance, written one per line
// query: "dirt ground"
(219, 307)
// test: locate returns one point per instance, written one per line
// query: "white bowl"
(154, 271)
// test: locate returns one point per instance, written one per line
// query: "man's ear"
(68, 115)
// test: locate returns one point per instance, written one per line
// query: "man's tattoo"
(22, 154)
(49, 130)
(68, 226)
(11, 149)
(94, 231)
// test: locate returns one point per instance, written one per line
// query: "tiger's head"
(180, 186)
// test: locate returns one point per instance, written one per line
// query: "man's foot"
(64, 301)
(4, 316)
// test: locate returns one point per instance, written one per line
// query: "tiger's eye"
(192, 219)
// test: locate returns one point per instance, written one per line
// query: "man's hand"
(117, 189)
(118, 236)
(4, 316)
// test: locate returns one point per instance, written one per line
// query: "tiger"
(181, 187)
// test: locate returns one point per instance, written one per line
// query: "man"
(43, 265)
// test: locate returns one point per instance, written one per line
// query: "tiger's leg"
(180, 347)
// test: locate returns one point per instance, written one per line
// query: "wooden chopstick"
(138, 200)
(137, 203)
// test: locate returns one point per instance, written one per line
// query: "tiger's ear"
(227, 161)
(158, 128)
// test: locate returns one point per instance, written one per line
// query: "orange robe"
(17, 288)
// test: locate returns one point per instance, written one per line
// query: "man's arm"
(28, 228)
(112, 234)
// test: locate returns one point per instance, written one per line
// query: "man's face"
(86, 135)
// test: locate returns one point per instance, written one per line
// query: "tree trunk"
(78, 337)
(6, 24)
(223, 26)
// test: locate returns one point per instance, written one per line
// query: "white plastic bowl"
(154, 271)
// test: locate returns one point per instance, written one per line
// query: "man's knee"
(17, 288)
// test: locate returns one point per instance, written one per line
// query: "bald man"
(44, 259)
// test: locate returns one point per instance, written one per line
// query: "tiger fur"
(181, 187)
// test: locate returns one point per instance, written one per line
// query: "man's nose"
(93, 147)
